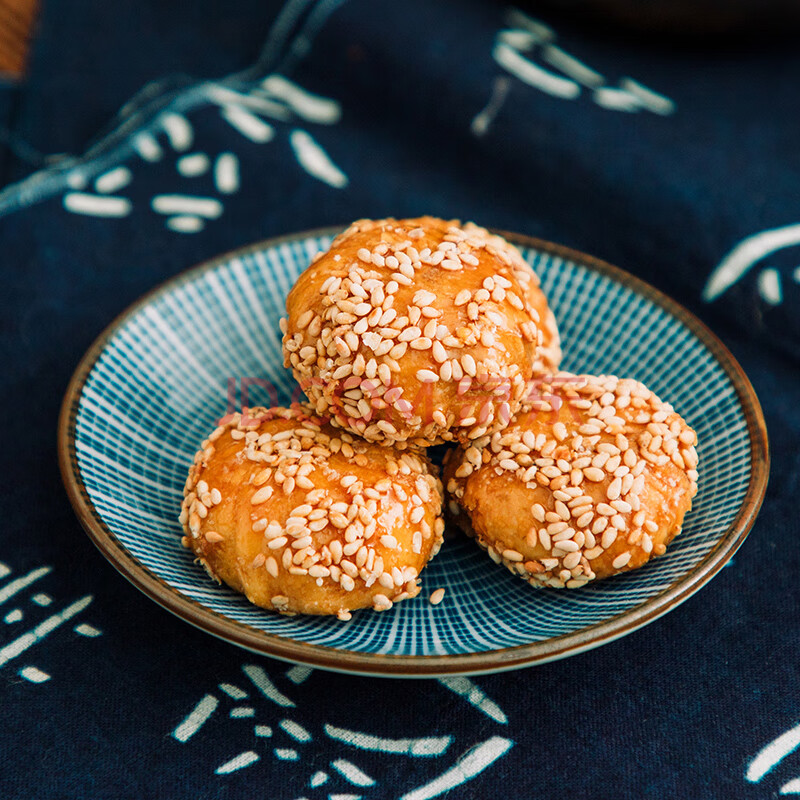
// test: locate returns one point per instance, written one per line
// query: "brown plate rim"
(404, 666)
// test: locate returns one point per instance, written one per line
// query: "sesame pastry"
(593, 478)
(418, 331)
(304, 518)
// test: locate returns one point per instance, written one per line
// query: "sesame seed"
(621, 560)
(275, 544)
(380, 602)
(436, 597)
(426, 375)
(262, 495)
(584, 519)
(609, 537)
(594, 474)
(567, 545)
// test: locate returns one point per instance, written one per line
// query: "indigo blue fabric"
(680, 164)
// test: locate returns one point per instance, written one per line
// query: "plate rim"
(407, 666)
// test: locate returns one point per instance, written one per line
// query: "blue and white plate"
(156, 381)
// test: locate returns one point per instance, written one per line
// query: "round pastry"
(304, 518)
(593, 478)
(418, 331)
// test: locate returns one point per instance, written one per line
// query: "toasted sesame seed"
(567, 545)
(584, 519)
(262, 495)
(621, 560)
(275, 544)
(380, 602)
(609, 537)
(594, 474)
(437, 595)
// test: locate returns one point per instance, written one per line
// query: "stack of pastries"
(411, 333)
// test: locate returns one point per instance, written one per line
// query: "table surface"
(676, 161)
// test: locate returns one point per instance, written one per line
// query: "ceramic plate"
(155, 382)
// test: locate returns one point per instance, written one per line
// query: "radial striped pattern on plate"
(162, 381)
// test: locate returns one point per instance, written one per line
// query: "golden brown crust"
(418, 331)
(592, 479)
(303, 518)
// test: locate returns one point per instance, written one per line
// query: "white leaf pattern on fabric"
(275, 98)
(515, 49)
(14, 649)
(772, 754)
(343, 767)
(746, 255)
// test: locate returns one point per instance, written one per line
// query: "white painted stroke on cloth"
(308, 106)
(472, 763)
(226, 173)
(475, 696)
(113, 180)
(421, 747)
(97, 205)
(192, 165)
(317, 779)
(484, 118)
(746, 255)
(84, 629)
(769, 286)
(615, 99)
(238, 762)
(147, 147)
(262, 682)
(233, 691)
(792, 787)
(43, 629)
(15, 586)
(652, 101)
(771, 755)
(299, 674)
(249, 125)
(178, 129)
(196, 718)
(208, 207)
(295, 730)
(571, 66)
(186, 223)
(34, 675)
(528, 72)
(352, 773)
(315, 161)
